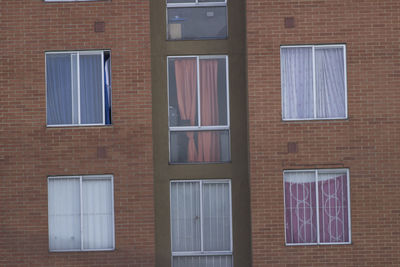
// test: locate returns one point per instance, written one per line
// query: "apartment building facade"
(200, 133)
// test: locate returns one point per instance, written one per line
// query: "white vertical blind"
(216, 217)
(64, 214)
(201, 223)
(185, 216)
(97, 213)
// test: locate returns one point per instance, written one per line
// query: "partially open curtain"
(333, 208)
(208, 141)
(185, 75)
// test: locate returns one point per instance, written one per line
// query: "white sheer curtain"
(297, 83)
(80, 224)
(64, 213)
(330, 82)
(313, 82)
(201, 223)
(97, 213)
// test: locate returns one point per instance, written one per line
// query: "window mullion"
(201, 217)
(198, 91)
(81, 209)
(79, 86)
(317, 202)
(314, 83)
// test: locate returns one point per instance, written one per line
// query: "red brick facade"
(367, 143)
(30, 151)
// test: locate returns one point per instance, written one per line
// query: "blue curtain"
(107, 92)
(59, 98)
(91, 89)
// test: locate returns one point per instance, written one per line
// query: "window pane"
(185, 216)
(297, 83)
(75, 92)
(202, 261)
(64, 214)
(330, 83)
(182, 92)
(300, 207)
(59, 96)
(197, 23)
(180, 1)
(216, 217)
(199, 146)
(91, 89)
(333, 207)
(97, 213)
(213, 96)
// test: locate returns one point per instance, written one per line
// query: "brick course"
(30, 151)
(367, 142)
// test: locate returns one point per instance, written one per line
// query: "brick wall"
(29, 151)
(368, 143)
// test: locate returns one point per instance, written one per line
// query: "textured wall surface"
(29, 151)
(368, 142)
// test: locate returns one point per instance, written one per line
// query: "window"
(196, 19)
(78, 88)
(317, 207)
(81, 213)
(313, 82)
(198, 109)
(201, 223)
(68, 0)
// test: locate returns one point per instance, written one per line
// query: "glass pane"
(216, 217)
(97, 213)
(91, 89)
(180, 1)
(64, 214)
(75, 92)
(107, 87)
(59, 96)
(300, 207)
(202, 261)
(333, 207)
(185, 216)
(213, 93)
(297, 83)
(212, 1)
(182, 91)
(199, 146)
(330, 83)
(190, 23)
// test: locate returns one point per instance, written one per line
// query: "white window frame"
(78, 54)
(71, 0)
(196, 3)
(200, 127)
(202, 252)
(316, 171)
(106, 177)
(343, 46)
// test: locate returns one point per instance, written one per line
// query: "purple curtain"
(301, 210)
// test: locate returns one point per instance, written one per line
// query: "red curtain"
(208, 145)
(186, 85)
(208, 141)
